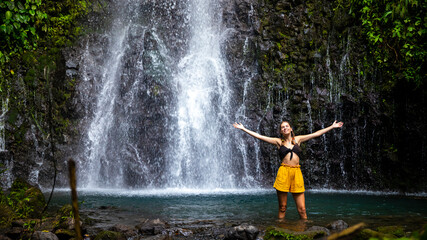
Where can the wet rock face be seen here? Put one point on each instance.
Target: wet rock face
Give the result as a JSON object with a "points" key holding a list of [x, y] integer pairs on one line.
{"points": [[300, 61], [310, 67]]}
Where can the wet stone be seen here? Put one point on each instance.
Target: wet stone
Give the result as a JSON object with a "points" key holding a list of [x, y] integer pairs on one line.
{"points": [[127, 231], [338, 225], [319, 229], [151, 227], [40, 235], [244, 231]]}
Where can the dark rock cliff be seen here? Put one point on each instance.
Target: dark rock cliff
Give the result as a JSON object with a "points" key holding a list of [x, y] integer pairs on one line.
{"points": [[314, 67], [301, 61]]}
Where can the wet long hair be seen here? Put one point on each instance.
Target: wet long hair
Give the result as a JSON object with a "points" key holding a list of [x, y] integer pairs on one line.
{"points": [[292, 132]]}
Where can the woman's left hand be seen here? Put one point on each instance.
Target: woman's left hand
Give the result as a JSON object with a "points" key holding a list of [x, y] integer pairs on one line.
{"points": [[337, 124]]}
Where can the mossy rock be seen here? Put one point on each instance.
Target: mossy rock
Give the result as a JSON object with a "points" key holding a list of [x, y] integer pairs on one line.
{"points": [[397, 231], [36, 201], [64, 234], [47, 224], [65, 210], [6, 216], [109, 235], [281, 233], [20, 184], [29, 200], [369, 233]]}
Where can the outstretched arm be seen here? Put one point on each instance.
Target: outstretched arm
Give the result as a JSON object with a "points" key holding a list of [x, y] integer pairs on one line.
{"points": [[275, 141], [316, 134]]}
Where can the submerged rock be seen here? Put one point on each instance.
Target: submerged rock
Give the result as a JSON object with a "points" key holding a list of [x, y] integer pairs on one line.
{"points": [[338, 225], [244, 231]]}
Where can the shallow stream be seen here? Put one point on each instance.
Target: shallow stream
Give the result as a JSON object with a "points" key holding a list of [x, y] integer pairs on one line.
{"points": [[258, 207]]}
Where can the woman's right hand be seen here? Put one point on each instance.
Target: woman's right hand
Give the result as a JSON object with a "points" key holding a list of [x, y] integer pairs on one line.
{"points": [[238, 126]]}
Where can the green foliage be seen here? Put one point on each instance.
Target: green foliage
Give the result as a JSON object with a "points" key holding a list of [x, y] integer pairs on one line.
{"points": [[396, 31], [61, 26], [23, 202], [32, 34], [6, 213], [29, 225], [17, 200], [273, 233], [20, 20]]}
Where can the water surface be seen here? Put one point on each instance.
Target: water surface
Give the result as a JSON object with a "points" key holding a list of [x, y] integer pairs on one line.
{"points": [[253, 206]]}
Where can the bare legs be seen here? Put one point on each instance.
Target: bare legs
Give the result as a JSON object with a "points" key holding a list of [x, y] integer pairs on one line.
{"points": [[299, 201], [283, 199]]}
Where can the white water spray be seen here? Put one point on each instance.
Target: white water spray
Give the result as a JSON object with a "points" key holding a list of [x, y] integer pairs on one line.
{"points": [[200, 153]]}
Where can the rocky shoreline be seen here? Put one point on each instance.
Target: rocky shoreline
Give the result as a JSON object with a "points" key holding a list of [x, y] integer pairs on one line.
{"points": [[61, 226], [22, 217]]}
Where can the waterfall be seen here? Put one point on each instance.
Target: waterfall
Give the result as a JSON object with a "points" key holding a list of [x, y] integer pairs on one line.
{"points": [[102, 90], [157, 101], [200, 151]]}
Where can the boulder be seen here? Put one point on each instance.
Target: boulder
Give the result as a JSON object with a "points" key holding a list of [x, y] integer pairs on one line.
{"points": [[127, 231], [151, 227], [41, 235], [319, 229], [29, 200], [338, 225], [65, 234], [244, 232], [15, 232]]}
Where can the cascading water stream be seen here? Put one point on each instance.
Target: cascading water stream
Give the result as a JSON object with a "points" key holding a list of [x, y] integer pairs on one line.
{"points": [[200, 148], [149, 75], [100, 165], [104, 116]]}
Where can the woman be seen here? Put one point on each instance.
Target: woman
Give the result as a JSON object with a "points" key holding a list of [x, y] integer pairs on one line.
{"points": [[289, 176]]}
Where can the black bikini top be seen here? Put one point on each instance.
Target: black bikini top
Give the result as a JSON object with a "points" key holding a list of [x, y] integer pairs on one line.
{"points": [[283, 151]]}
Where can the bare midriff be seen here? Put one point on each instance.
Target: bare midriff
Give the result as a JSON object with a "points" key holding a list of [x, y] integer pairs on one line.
{"points": [[294, 162]]}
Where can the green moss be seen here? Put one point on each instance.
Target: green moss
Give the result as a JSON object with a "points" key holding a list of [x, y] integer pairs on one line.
{"points": [[6, 215], [397, 231], [369, 234], [285, 234], [26, 200], [65, 234]]}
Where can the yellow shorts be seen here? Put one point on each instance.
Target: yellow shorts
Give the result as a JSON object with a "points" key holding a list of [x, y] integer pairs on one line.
{"points": [[289, 179]]}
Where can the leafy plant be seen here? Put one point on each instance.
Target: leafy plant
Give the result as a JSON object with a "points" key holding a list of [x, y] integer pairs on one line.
{"points": [[396, 31], [18, 27], [32, 32], [29, 225]]}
